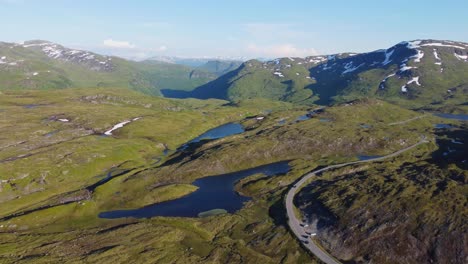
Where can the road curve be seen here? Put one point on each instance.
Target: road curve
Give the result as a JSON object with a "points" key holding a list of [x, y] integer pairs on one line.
{"points": [[297, 227]]}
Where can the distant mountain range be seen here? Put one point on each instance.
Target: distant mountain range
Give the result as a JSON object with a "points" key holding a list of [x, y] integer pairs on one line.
{"points": [[195, 62], [42, 64], [416, 73]]}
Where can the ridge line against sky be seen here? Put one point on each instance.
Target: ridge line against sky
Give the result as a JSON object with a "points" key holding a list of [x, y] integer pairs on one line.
{"points": [[247, 29]]}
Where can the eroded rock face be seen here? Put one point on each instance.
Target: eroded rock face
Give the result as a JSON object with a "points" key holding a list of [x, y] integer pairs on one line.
{"points": [[413, 214]]}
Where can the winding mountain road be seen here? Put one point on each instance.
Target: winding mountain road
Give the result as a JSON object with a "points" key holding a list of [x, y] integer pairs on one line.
{"points": [[305, 233]]}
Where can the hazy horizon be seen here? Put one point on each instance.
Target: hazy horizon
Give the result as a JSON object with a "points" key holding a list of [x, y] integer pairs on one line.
{"points": [[259, 29]]}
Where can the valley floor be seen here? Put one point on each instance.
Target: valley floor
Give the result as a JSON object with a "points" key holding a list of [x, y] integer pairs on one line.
{"points": [[60, 170]]}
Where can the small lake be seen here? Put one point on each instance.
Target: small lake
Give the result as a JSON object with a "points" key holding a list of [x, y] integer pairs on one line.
{"points": [[214, 192], [443, 126], [452, 116], [222, 131], [304, 117], [363, 157]]}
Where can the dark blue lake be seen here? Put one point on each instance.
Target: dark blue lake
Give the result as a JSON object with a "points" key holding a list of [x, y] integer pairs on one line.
{"points": [[452, 116], [363, 157], [215, 192], [443, 126], [220, 132], [304, 117]]}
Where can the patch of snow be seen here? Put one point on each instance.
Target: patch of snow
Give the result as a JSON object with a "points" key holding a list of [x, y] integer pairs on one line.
{"points": [[418, 56], [58, 52], [35, 45], [413, 44], [461, 57], [414, 80], [119, 125], [279, 74], [317, 59], [457, 142], [3, 58], [442, 45], [404, 89], [291, 59], [438, 63], [436, 55], [73, 52], [350, 68], [405, 68], [35, 74], [386, 78], [382, 83], [308, 77], [297, 73], [388, 54], [63, 120]]}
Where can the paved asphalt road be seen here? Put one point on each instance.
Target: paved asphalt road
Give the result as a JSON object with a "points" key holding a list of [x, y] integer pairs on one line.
{"points": [[297, 227]]}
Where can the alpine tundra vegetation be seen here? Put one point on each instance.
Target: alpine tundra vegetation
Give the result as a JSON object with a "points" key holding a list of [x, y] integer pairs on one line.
{"points": [[207, 132]]}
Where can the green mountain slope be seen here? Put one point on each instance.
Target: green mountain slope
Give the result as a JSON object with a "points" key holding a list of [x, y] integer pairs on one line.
{"points": [[220, 67], [45, 65], [416, 74]]}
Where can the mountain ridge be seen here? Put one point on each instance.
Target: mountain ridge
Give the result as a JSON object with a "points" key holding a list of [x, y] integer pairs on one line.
{"points": [[398, 74], [40, 64]]}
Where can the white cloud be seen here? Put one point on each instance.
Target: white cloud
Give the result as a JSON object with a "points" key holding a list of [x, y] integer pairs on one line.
{"points": [[281, 50], [162, 48], [118, 44]]}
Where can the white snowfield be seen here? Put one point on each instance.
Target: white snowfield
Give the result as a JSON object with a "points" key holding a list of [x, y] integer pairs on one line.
{"points": [[120, 125], [461, 57], [350, 68], [56, 51], [405, 68], [414, 80], [387, 57], [279, 74], [436, 55], [442, 45], [404, 88], [418, 56]]}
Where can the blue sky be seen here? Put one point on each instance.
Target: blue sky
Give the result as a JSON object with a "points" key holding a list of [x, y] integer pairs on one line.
{"points": [[253, 28]]}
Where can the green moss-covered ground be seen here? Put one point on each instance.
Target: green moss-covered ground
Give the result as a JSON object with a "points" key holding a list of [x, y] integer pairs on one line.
{"points": [[49, 168]]}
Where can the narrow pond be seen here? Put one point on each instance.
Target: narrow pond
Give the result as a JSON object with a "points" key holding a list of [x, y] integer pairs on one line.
{"points": [[460, 117], [220, 132], [364, 157], [214, 192]]}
